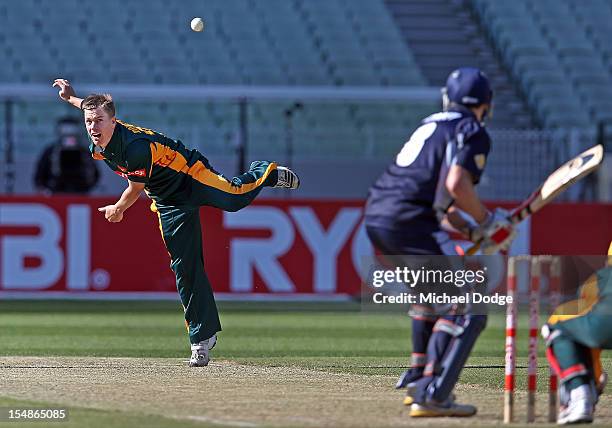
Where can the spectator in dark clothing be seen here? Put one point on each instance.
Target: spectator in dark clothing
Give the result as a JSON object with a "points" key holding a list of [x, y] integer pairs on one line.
{"points": [[66, 165]]}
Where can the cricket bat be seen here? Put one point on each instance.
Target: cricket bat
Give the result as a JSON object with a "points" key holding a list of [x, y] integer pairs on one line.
{"points": [[566, 175]]}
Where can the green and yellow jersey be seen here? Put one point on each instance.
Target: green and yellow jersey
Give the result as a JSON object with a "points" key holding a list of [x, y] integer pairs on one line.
{"points": [[164, 165], [587, 319]]}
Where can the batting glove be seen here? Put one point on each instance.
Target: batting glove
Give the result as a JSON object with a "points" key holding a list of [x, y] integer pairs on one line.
{"points": [[496, 233]]}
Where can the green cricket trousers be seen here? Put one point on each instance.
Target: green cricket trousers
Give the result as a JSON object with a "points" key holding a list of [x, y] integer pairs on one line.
{"points": [[182, 234]]}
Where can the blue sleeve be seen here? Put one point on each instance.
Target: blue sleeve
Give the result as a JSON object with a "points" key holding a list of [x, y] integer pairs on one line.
{"points": [[473, 151]]}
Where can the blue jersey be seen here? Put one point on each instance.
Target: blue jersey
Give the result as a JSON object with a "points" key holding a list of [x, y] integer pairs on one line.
{"points": [[411, 195]]}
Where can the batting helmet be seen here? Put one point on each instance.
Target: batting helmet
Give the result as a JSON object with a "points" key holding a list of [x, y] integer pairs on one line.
{"points": [[467, 86]]}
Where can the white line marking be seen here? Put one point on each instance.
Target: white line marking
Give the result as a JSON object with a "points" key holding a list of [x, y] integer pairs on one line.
{"points": [[220, 422]]}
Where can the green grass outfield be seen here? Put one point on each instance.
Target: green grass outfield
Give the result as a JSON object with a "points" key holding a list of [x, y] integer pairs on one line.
{"points": [[324, 337]]}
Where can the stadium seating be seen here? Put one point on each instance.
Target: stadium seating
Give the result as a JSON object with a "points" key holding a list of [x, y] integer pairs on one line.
{"points": [[559, 52], [276, 42]]}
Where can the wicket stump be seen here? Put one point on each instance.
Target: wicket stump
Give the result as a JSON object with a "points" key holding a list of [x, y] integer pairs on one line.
{"points": [[536, 273]]}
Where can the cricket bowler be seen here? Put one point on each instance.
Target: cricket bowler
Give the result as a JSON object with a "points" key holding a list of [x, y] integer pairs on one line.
{"points": [[423, 193], [575, 335], [179, 181]]}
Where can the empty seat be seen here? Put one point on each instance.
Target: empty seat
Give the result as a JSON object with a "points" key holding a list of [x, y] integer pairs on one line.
{"points": [[271, 42], [553, 49]]}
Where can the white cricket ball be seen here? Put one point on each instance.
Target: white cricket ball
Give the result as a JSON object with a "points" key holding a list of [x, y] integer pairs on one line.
{"points": [[197, 24]]}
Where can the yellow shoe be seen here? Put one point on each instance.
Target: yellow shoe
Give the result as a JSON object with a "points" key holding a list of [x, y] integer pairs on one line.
{"points": [[433, 410], [410, 391]]}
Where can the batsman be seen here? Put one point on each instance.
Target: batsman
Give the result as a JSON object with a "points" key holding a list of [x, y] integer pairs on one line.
{"points": [[179, 181], [575, 335], [425, 191]]}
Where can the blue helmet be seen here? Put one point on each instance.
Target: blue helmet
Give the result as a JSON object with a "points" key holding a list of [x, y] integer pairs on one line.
{"points": [[467, 86]]}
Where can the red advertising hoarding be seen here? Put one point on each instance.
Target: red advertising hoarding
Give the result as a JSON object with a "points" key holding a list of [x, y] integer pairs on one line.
{"points": [[63, 247]]}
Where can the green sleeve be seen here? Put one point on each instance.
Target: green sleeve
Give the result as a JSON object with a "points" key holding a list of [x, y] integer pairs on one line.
{"points": [[138, 158]]}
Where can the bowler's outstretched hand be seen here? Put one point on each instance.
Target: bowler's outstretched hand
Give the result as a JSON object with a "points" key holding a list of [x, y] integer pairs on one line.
{"points": [[112, 213]]}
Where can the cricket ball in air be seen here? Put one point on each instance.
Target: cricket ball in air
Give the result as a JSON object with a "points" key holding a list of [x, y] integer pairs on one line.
{"points": [[197, 24]]}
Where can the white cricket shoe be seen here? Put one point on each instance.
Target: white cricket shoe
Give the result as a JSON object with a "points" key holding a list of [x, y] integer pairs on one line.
{"points": [[200, 352], [286, 178], [580, 408]]}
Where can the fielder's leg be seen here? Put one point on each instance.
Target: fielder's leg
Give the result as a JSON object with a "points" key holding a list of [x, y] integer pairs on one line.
{"points": [[575, 335], [573, 365]]}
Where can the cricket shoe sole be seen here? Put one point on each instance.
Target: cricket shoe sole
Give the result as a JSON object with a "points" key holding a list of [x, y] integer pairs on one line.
{"points": [[411, 391], [287, 179], [431, 410]]}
